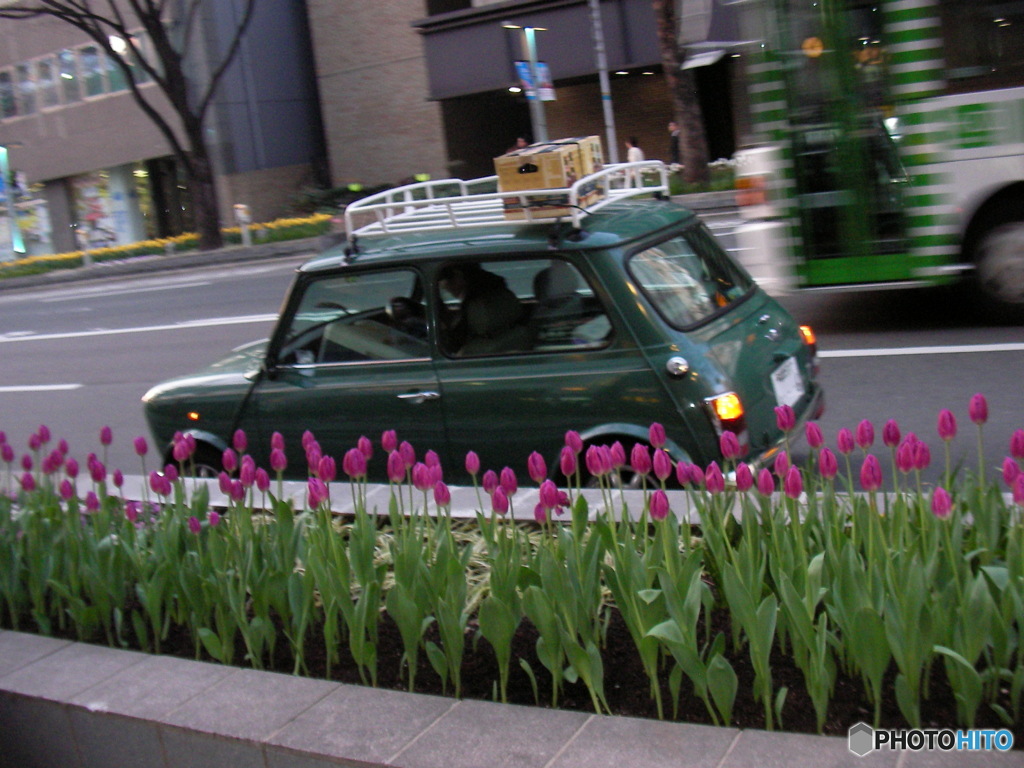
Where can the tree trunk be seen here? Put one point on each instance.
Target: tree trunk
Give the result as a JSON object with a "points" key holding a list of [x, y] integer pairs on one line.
{"points": [[682, 84], [204, 198]]}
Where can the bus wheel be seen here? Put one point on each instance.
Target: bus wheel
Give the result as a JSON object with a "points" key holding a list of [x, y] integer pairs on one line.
{"points": [[999, 270]]}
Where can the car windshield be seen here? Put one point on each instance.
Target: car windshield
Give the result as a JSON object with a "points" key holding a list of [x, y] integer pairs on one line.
{"points": [[689, 278]]}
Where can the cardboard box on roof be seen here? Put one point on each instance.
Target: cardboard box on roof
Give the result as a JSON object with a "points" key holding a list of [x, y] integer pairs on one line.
{"points": [[553, 165]]}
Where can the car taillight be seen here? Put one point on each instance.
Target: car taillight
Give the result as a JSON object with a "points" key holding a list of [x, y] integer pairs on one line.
{"points": [[728, 416], [751, 190], [812, 344]]}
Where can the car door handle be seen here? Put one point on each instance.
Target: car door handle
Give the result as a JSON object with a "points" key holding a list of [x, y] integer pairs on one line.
{"points": [[420, 397]]}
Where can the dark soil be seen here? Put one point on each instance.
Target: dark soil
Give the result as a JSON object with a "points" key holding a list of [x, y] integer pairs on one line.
{"points": [[626, 685]]}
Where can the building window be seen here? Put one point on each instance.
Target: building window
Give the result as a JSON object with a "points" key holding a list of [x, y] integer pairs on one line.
{"points": [[49, 96], [69, 76], [8, 104], [26, 89], [91, 64]]}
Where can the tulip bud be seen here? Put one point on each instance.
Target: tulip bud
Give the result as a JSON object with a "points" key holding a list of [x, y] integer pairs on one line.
{"points": [[549, 494], [194, 525], [978, 409], [844, 441], [659, 506], [106, 436], [536, 468], [947, 425], [785, 418], [472, 463], [239, 441], [567, 461], [765, 483], [354, 463], [229, 460], [657, 435], [507, 480], [793, 485], [865, 434], [490, 481], [744, 477], [891, 433], [618, 455], [729, 444], [713, 479], [442, 496], [407, 452], [828, 466], [396, 467], [389, 440], [1017, 444], [574, 441], [942, 504], [499, 501], [141, 447], [278, 461], [815, 439], [871, 473], [640, 459]]}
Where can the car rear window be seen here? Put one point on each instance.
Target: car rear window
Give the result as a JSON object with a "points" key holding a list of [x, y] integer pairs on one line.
{"points": [[689, 278]]}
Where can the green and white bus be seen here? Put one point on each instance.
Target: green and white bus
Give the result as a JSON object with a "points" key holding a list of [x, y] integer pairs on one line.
{"points": [[888, 145]]}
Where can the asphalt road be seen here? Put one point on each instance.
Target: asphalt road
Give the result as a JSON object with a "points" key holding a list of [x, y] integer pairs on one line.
{"points": [[79, 356]]}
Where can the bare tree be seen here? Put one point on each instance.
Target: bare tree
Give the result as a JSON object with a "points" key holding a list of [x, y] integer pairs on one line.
{"points": [[693, 143], [172, 27]]}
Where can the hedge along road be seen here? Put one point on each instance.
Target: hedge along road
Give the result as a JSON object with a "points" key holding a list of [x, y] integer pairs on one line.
{"points": [[79, 357]]}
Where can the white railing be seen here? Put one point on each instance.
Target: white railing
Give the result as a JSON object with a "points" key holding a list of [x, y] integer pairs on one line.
{"points": [[452, 203]]}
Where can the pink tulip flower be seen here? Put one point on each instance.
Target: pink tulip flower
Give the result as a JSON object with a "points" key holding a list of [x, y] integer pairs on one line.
{"points": [[549, 494], [472, 463], [7, 453], [640, 459], [442, 495], [595, 466], [781, 465], [765, 483], [922, 455], [365, 447], [793, 485], [44, 434], [262, 480], [844, 441], [277, 442], [118, 478], [812, 432], [729, 445], [574, 441], [28, 482], [224, 483], [490, 481], [307, 438], [682, 472], [194, 525], [891, 433], [785, 418], [744, 477], [327, 469], [942, 504], [508, 482], [947, 424], [567, 461], [499, 501], [659, 506], [239, 441], [354, 463], [71, 468], [1018, 490], [905, 457], [618, 455], [1011, 469], [657, 435], [421, 476], [229, 460], [662, 465], [247, 471], [978, 409], [396, 467], [828, 466], [1017, 444], [131, 511], [214, 518], [536, 468], [407, 452], [141, 446], [713, 479], [865, 436], [389, 440], [106, 436], [278, 460], [540, 514], [316, 491], [871, 473], [67, 490]]}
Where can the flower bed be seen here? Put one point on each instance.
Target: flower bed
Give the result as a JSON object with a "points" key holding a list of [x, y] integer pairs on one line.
{"points": [[273, 231], [799, 593]]}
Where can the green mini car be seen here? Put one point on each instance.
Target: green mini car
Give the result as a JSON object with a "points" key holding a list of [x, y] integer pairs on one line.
{"points": [[463, 330]]}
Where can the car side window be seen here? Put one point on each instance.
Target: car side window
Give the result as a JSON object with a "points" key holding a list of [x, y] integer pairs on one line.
{"points": [[528, 305], [364, 316], [688, 278]]}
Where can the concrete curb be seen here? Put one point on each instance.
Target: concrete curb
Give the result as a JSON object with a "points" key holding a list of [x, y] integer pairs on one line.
{"points": [[84, 706]]}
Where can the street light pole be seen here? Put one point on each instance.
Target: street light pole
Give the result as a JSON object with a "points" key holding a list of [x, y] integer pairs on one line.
{"points": [[528, 43], [7, 190], [602, 73]]}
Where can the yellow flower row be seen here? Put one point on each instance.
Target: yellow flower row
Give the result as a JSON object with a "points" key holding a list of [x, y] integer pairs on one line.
{"points": [[188, 238]]}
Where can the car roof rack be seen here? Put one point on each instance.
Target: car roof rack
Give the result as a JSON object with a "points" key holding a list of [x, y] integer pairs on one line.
{"points": [[454, 203]]}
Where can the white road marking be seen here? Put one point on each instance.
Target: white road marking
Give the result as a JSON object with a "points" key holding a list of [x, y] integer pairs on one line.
{"points": [[40, 388], [122, 291], [182, 326], [898, 351]]}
